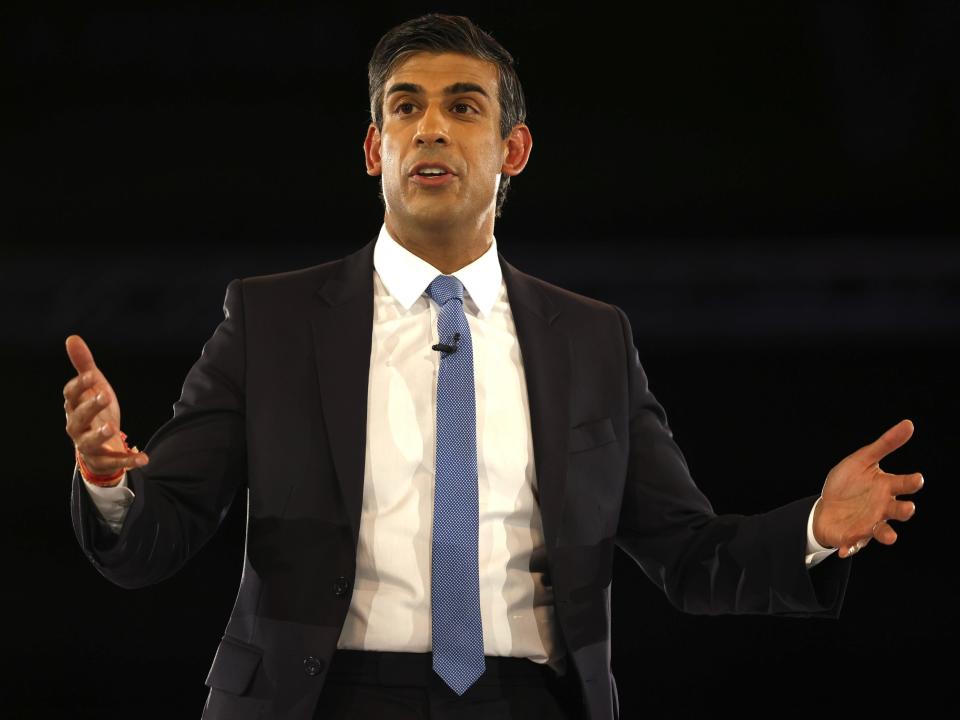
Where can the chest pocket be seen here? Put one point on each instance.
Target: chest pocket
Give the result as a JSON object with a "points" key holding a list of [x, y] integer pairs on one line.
{"points": [[591, 434]]}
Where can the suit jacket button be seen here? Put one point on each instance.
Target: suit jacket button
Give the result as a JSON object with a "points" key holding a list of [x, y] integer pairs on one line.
{"points": [[312, 666], [341, 586]]}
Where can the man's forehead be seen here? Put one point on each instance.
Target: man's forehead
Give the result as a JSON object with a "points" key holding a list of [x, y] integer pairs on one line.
{"points": [[440, 69]]}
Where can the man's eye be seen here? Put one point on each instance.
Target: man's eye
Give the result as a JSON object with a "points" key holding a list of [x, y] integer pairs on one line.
{"points": [[399, 109]]}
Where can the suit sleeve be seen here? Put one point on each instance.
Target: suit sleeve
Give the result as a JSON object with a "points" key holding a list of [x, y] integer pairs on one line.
{"points": [[197, 464], [111, 502], [707, 563]]}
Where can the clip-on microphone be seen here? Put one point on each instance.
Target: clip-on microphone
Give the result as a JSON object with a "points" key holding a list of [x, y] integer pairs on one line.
{"points": [[448, 349]]}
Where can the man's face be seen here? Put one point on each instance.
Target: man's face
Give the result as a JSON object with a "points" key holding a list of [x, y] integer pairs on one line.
{"points": [[439, 109]]}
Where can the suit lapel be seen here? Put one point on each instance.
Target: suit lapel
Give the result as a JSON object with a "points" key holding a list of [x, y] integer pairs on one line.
{"points": [[545, 350], [342, 320]]}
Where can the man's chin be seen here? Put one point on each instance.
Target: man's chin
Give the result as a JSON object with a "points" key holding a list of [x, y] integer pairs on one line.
{"points": [[433, 216]]}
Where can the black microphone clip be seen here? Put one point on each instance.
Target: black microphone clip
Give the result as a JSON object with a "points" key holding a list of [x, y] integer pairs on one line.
{"points": [[448, 349]]}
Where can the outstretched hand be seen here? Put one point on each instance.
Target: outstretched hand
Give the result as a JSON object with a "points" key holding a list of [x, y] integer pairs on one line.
{"points": [[858, 497], [93, 415]]}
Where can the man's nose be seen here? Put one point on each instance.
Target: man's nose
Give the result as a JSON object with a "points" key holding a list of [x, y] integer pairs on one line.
{"points": [[432, 127]]}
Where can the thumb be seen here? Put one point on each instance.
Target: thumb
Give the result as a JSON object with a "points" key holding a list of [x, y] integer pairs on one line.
{"points": [[80, 355], [888, 442]]}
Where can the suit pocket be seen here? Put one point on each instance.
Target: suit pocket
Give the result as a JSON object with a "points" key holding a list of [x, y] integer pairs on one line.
{"points": [[591, 434], [233, 666]]}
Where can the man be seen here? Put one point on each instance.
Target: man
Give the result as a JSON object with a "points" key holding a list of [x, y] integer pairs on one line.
{"points": [[431, 533]]}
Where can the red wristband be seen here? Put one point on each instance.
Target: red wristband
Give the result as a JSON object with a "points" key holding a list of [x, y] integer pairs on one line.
{"points": [[101, 480]]}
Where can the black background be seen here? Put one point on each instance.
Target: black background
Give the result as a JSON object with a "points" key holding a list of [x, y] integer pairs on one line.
{"points": [[768, 190]]}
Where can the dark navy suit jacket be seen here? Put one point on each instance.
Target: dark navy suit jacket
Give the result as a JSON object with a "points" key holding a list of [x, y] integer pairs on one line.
{"points": [[277, 407]]}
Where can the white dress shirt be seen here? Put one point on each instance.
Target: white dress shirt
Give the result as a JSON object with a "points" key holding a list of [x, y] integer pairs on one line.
{"points": [[390, 606]]}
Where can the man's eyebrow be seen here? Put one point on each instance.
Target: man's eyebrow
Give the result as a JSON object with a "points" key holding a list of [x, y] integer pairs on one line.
{"points": [[455, 89]]}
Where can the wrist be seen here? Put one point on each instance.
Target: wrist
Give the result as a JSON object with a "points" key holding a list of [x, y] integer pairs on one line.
{"points": [[813, 526], [101, 480]]}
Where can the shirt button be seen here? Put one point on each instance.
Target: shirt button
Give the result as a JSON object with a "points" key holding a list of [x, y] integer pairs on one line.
{"points": [[341, 586], [312, 666]]}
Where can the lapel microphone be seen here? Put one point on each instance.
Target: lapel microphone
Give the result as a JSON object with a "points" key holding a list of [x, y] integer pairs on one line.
{"points": [[449, 349]]}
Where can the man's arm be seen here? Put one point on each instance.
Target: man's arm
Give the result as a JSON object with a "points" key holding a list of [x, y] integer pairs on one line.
{"points": [[112, 503], [816, 553], [707, 563], [197, 463]]}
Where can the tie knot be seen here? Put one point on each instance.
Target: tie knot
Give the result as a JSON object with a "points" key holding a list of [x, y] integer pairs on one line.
{"points": [[445, 287]]}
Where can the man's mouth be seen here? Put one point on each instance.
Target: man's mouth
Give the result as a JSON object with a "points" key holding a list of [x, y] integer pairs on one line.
{"points": [[428, 178]]}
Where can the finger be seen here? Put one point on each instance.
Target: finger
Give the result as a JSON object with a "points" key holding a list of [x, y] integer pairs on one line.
{"points": [[92, 442], [73, 391], [88, 386], [900, 509], [89, 374], [80, 354], [80, 418], [884, 533], [109, 465], [887, 443], [905, 484], [848, 551], [103, 460]]}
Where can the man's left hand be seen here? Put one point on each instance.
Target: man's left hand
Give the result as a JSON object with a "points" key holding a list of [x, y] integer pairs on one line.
{"points": [[858, 497]]}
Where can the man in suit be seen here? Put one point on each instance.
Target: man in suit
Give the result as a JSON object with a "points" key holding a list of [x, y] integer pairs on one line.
{"points": [[432, 532]]}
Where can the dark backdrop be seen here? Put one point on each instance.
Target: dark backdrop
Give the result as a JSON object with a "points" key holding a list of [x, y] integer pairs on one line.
{"points": [[768, 191]]}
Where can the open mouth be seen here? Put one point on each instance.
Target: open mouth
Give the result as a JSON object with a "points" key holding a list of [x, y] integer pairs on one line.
{"points": [[430, 179]]}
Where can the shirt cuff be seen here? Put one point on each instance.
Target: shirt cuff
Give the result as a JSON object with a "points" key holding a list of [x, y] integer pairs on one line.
{"points": [[816, 552], [113, 503]]}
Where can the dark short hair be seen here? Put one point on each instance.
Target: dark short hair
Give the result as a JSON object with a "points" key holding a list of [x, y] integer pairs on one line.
{"points": [[438, 33]]}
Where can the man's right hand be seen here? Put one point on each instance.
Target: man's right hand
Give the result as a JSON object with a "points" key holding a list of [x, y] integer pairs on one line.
{"points": [[93, 416]]}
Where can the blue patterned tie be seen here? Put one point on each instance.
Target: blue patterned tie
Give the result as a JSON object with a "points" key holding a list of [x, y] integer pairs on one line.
{"points": [[455, 583]]}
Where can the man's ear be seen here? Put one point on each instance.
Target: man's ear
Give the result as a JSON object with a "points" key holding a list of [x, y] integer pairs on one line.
{"points": [[517, 148], [371, 150]]}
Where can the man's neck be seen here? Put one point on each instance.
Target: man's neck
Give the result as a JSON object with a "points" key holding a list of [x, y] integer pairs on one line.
{"points": [[446, 250]]}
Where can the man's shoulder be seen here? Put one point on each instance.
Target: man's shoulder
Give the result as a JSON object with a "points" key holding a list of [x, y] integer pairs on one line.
{"points": [[311, 276], [561, 298], [300, 281]]}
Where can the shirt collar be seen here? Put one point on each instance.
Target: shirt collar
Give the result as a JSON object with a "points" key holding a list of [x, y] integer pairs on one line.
{"points": [[407, 276]]}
